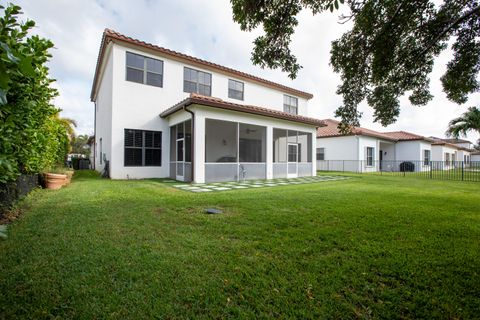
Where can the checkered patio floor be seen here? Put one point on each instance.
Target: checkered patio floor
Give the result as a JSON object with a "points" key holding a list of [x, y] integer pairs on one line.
{"points": [[251, 184]]}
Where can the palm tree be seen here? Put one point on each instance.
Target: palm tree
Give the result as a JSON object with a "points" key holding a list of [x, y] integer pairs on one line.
{"points": [[69, 125], [468, 121]]}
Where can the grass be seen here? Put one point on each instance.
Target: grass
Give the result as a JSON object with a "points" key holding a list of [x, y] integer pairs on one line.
{"points": [[367, 247]]}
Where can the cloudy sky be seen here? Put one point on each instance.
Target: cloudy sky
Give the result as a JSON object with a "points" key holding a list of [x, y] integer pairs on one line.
{"points": [[205, 29]]}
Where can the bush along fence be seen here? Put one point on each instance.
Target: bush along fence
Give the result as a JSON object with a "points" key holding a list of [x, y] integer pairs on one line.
{"points": [[440, 170], [10, 192]]}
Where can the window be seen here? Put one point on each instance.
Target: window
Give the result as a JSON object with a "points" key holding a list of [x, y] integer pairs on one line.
{"points": [[447, 158], [143, 148], [370, 155], [235, 89], [101, 151], [320, 153], [290, 104], [197, 82], [426, 157], [144, 70]]}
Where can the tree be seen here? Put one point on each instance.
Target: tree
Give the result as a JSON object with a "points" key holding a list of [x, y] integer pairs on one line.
{"points": [[468, 121], [389, 51], [79, 145], [32, 137]]}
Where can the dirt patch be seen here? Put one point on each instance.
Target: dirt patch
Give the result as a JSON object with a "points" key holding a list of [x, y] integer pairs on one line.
{"points": [[158, 210], [10, 215]]}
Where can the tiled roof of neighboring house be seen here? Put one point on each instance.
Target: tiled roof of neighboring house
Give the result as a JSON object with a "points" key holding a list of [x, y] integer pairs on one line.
{"points": [[219, 103], [455, 141], [406, 136], [110, 35], [476, 153], [331, 130], [441, 142]]}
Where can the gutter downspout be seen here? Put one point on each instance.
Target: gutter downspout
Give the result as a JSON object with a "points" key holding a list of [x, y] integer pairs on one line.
{"points": [[192, 144], [94, 136]]}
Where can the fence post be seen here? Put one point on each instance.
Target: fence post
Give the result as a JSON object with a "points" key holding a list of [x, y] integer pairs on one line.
{"points": [[431, 167], [463, 170], [343, 168]]}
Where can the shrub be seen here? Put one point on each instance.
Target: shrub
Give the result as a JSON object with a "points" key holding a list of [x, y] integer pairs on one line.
{"points": [[32, 136]]}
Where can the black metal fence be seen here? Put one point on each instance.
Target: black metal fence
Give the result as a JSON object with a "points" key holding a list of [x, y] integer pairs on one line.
{"points": [[440, 170]]}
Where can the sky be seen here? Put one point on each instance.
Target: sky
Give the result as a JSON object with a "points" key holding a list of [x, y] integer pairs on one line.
{"points": [[205, 29]]}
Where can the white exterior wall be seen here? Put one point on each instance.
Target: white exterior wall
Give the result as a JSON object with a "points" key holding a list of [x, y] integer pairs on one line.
{"points": [[475, 157], [365, 142], [103, 114], [137, 106], [438, 152], [339, 148]]}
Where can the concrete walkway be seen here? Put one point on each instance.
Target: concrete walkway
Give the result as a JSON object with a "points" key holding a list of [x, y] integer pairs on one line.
{"points": [[252, 184]]}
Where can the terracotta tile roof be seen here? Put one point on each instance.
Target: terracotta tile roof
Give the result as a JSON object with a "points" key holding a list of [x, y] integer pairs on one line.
{"points": [[331, 130], [406, 136], [455, 141], [219, 103], [110, 35]]}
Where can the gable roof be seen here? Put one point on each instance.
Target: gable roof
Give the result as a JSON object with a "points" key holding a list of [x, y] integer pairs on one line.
{"points": [[219, 103], [452, 141], [331, 130], [406, 136], [113, 36]]}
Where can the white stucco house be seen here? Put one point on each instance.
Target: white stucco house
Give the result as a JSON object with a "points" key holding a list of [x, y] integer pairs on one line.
{"points": [[161, 113], [367, 150], [475, 156], [451, 151]]}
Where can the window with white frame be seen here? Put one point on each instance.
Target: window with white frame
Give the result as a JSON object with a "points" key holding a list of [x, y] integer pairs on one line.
{"points": [[144, 70], [447, 158], [320, 153], [197, 81], [142, 148], [370, 156], [290, 104], [426, 157], [235, 89]]}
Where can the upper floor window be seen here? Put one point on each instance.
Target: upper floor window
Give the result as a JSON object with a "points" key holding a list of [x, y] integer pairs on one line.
{"points": [[235, 89], [142, 148], [290, 104], [144, 70], [197, 82]]}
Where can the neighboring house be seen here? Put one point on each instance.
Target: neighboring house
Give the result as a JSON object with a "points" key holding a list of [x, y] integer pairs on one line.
{"points": [[450, 153], [368, 150], [475, 156], [160, 113]]}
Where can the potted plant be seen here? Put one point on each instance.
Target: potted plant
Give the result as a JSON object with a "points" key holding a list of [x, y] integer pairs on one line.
{"points": [[56, 177]]}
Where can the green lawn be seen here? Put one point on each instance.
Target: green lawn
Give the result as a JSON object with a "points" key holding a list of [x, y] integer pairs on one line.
{"points": [[367, 247]]}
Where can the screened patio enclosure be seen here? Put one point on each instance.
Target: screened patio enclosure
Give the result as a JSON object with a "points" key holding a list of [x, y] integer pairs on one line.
{"points": [[292, 153], [234, 151], [181, 151], [237, 151]]}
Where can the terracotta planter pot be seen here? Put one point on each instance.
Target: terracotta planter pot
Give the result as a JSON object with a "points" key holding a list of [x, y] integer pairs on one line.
{"points": [[55, 181]]}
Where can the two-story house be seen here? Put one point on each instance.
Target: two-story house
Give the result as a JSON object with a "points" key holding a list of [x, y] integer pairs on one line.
{"points": [[161, 113]]}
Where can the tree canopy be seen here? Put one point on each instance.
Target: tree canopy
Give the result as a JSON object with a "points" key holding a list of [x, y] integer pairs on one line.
{"points": [[468, 121], [389, 52], [32, 135]]}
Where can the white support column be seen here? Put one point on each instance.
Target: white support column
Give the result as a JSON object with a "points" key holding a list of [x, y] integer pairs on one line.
{"points": [[269, 158], [199, 149], [314, 153]]}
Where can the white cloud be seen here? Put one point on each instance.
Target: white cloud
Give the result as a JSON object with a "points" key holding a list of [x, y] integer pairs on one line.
{"points": [[205, 29]]}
